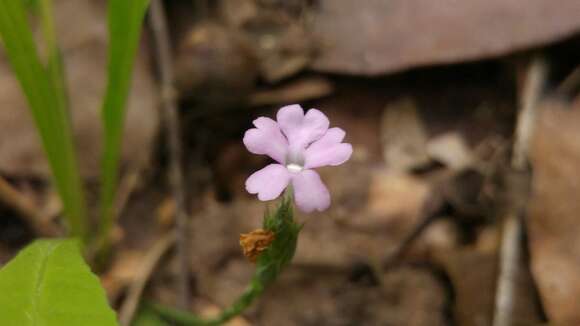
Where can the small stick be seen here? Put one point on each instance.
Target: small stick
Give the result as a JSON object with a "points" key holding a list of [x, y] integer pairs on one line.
{"points": [[510, 258], [150, 261], [40, 224], [294, 92], [532, 88], [126, 188], [511, 246], [430, 211], [170, 117]]}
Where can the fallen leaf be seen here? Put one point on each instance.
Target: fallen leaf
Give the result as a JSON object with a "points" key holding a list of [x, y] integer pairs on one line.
{"points": [[473, 277], [451, 150], [553, 226], [121, 273], [403, 135], [407, 296], [277, 34], [211, 60], [395, 200], [377, 37]]}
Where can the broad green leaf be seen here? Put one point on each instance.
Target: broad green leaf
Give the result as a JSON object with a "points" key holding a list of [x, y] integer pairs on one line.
{"points": [[49, 112], [125, 19], [49, 284]]}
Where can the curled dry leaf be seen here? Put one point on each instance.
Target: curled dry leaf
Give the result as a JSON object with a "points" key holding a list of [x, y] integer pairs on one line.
{"points": [[255, 242]]}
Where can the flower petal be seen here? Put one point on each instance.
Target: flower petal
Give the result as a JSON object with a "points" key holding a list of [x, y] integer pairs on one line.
{"points": [[309, 192], [328, 150], [268, 182], [266, 139], [301, 129], [289, 118]]}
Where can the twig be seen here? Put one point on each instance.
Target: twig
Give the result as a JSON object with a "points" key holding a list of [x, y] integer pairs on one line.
{"points": [[532, 88], [136, 288], [39, 223], [170, 117], [430, 211], [509, 270], [511, 245], [302, 90], [306, 89], [126, 188]]}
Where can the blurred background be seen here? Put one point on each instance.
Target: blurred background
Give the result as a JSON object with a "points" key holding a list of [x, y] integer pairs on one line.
{"points": [[459, 205]]}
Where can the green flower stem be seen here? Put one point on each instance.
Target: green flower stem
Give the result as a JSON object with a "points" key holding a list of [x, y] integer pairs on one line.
{"points": [[184, 318], [268, 267]]}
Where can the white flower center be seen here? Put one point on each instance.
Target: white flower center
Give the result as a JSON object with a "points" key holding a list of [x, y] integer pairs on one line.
{"points": [[295, 168], [295, 160]]}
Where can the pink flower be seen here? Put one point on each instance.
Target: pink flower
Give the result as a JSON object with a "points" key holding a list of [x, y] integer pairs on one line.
{"points": [[299, 143]]}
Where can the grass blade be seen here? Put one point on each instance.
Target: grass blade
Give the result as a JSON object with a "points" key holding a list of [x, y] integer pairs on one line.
{"points": [[55, 67], [125, 20], [48, 111]]}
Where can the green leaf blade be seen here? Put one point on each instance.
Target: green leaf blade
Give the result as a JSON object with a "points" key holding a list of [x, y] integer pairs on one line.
{"points": [[125, 21], [49, 112], [49, 284]]}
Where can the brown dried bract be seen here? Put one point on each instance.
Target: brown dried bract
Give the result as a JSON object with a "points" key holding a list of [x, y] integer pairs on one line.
{"points": [[255, 242]]}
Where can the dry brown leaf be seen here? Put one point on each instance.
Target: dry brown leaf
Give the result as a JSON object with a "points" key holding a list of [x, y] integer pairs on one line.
{"points": [[406, 296], [121, 273], [451, 150], [553, 224], [166, 212], [255, 242], [403, 135], [211, 60], [278, 36], [376, 37], [396, 200], [473, 276]]}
